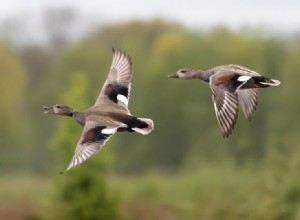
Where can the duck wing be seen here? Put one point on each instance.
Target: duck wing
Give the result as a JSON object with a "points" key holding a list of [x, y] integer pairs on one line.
{"points": [[116, 89], [248, 98], [226, 107], [94, 136], [234, 77], [241, 70]]}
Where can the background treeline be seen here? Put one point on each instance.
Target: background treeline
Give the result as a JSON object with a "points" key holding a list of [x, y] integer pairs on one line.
{"points": [[186, 126], [261, 157]]}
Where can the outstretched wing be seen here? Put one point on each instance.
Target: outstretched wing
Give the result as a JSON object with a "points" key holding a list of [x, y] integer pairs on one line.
{"points": [[226, 108], [248, 99], [92, 139], [116, 88]]}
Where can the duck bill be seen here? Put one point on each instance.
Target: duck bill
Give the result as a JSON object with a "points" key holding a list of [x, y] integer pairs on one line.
{"points": [[173, 75], [48, 109]]}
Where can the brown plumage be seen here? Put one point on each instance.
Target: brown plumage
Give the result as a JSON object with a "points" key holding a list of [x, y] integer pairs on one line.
{"points": [[231, 85], [110, 113]]}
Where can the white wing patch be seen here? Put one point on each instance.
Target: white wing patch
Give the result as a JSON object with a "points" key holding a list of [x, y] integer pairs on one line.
{"points": [[122, 99], [243, 78], [109, 131]]}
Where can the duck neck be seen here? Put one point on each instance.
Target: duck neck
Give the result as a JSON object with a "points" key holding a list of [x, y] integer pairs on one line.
{"points": [[79, 117], [203, 75]]}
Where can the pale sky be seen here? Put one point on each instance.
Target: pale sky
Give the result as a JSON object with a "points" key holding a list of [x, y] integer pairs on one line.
{"points": [[276, 13], [282, 16]]}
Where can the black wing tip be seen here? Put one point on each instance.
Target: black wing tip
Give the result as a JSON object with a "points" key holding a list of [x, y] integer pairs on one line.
{"points": [[249, 118], [117, 50], [114, 50], [226, 135]]}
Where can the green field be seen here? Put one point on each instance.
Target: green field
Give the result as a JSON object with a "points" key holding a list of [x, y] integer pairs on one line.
{"points": [[207, 192]]}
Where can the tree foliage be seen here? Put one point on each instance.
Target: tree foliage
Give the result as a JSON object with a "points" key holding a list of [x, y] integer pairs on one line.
{"points": [[14, 130]]}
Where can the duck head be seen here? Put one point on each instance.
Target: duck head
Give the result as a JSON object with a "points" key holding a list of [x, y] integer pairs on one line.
{"points": [[184, 74], [58, 110]]}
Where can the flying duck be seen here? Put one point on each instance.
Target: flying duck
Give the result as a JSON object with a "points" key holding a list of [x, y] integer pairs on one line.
{"points": [[110, 113], [231, 85]]}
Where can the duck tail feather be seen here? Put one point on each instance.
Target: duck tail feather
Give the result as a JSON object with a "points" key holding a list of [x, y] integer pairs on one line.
{"points": [[272, 82], [265, 82], [145, 129]]}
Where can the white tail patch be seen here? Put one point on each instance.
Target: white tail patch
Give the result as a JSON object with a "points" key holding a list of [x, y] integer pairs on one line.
{"points": [[274, 82], [243, 78], [147, 130], [122, 99], [109, 131]]}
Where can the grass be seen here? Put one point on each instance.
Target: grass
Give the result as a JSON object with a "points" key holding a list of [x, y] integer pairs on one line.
{"points": [[22, 187], [20, 196], [208, 192], [204, 193], [213, 192]]}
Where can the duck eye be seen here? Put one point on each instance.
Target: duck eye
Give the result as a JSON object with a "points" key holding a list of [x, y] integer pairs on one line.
{"points": [[183, 71], [58, 106]]}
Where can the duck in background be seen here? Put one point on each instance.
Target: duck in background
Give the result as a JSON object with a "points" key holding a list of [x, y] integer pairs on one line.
{"points": [[231, 85]]}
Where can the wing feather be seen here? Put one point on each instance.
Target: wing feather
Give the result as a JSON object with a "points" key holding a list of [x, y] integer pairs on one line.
{"points": [[226, 109], [248, 99], [118, 80], [93, 138]]}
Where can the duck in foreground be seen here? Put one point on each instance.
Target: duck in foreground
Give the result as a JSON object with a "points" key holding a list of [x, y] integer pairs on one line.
{"points": [[231, 85], [110, 113]]}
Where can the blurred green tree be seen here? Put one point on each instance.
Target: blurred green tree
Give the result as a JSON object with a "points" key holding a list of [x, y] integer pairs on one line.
{"points": [[185, 126], [14, 121]]}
